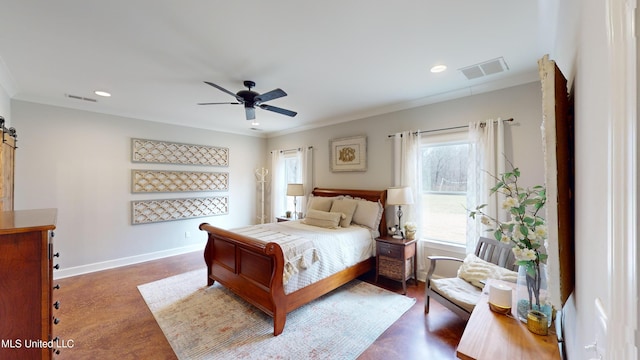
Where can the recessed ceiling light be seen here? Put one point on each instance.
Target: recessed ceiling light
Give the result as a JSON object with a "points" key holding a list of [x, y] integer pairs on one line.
{"points": [[102, 93], [438, 68]]}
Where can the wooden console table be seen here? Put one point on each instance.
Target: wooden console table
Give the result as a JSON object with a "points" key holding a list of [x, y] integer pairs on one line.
{"points": [[493, 336]]}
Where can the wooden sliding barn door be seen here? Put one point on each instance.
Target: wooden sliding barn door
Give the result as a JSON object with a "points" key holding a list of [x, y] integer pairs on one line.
{"points": [[7, 165]]}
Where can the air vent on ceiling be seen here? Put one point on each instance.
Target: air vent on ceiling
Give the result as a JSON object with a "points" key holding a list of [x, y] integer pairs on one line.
{"points": [[80, 98], [490, 67]]}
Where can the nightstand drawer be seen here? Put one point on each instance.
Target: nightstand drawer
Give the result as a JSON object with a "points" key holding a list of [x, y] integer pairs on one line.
{"points": [[391, 251]]}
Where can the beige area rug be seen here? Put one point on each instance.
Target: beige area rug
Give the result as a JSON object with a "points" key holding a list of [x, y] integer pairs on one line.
{"points": [[203, 322]]}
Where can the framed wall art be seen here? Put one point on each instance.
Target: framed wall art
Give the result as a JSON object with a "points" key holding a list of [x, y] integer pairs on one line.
{"points": [[348, 154], [166, 152], [145, 181], [150, 211]]}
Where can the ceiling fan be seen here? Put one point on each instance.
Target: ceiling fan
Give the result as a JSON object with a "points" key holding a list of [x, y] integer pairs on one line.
{"points": [[250, 99]]}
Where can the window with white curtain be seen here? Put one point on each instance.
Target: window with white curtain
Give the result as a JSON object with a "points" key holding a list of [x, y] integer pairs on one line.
{"points": [[289, 167], [444, 164], [292, 174]]}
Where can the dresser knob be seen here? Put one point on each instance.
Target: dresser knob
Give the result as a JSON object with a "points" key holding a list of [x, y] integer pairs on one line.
{"points": [[57, 286], [56, 320], [56, 254], [56, 266], [56, 305]]}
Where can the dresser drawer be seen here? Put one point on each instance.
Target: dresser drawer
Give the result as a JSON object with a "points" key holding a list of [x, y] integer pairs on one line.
{"points": [[390, 251]]}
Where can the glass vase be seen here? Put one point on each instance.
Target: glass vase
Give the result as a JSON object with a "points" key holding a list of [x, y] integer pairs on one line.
{"points": [[531, 293]]}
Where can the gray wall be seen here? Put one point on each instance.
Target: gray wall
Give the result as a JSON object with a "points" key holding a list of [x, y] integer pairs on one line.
{"points": [[522, 137], [5, 106], [80, 163], [523, 140]]}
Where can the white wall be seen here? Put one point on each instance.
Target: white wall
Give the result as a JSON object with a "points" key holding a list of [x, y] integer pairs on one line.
{"points": [[80, 163], [582, 54]]}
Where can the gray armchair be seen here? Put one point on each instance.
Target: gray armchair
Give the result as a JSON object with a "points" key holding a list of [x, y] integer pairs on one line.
{"points": [[457, 294]]}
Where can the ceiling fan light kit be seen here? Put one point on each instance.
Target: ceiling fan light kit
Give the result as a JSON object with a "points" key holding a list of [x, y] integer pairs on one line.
{"points": [[250, 99]]}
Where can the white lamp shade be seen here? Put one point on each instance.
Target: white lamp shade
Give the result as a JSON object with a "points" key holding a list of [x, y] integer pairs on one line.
{"points": [[295, 190], [399, 196]]}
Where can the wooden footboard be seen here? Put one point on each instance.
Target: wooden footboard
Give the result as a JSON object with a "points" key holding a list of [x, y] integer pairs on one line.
{"points": [[254, 270], [251, 269]]}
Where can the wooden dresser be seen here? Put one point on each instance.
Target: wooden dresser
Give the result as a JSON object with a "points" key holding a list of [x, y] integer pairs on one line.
{"points": [[27, 312]]}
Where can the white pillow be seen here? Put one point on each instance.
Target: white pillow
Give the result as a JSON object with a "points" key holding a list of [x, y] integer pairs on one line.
{"points": [[368, 213], [323, 219], [347, 207], [321, 203], [474, 270]]}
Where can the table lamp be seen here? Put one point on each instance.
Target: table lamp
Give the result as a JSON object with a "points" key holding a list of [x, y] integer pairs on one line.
{"points": [[295, 190], [399, 196]]}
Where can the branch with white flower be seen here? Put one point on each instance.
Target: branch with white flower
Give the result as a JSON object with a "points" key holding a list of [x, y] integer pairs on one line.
{"points": [[525, 230]]}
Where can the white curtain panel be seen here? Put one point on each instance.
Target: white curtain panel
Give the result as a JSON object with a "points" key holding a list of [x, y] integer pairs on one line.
{"points": [[305, 160], [407, 172], [486, 162], [278, 184]]}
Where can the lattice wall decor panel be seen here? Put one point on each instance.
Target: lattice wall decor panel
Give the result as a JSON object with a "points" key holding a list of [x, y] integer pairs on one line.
{"points": [[150, 211], [153, 151], [145, 181]]}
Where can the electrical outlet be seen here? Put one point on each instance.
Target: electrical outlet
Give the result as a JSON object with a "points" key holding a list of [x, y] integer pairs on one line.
{"points": [[599, 346]]}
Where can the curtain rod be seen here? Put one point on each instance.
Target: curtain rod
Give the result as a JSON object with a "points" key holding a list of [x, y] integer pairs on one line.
{"points": [[449, 128], [296, 149]]}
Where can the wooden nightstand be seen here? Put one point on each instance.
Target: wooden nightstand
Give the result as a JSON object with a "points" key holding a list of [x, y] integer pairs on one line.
{"points": [[396, 259]]}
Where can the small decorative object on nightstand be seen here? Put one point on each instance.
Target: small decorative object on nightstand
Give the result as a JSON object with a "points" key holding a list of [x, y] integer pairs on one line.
{"points": [[396, 259]]}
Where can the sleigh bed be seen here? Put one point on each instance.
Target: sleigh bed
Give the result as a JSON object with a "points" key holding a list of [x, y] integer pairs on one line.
{"points": [[271, 275]]}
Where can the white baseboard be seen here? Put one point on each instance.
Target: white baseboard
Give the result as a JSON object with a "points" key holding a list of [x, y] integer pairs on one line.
{"points": [[105, 265]]}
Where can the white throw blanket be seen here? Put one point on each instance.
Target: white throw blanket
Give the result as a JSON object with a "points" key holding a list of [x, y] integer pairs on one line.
{"points": [[299, 252]]}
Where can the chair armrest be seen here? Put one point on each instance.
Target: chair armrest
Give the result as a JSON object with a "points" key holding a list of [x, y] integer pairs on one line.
{"points": [[434, 259]]}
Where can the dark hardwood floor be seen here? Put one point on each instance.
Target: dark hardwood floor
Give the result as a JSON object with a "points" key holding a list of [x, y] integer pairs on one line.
{"points": [[103, 316]]}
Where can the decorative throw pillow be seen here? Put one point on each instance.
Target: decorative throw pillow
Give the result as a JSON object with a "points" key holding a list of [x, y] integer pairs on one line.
{"points": [[475, 270], [323, 219], [320, 203], [347, 207], [368, 213]]}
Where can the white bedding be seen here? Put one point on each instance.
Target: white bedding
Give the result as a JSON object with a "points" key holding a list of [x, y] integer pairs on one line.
{"points": [[313, 253]]}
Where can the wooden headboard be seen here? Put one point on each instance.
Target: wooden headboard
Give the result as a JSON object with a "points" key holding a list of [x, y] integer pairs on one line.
{"points": [[370, 195]]}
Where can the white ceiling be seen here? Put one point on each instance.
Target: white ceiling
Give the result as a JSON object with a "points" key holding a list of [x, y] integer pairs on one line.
{"points": [[337, 60]]}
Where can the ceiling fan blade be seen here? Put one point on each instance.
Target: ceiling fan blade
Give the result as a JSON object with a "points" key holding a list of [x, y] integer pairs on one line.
{"points": [[241, 100], [220, 103], [279, 110], [251, 112], [273, 94]]}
